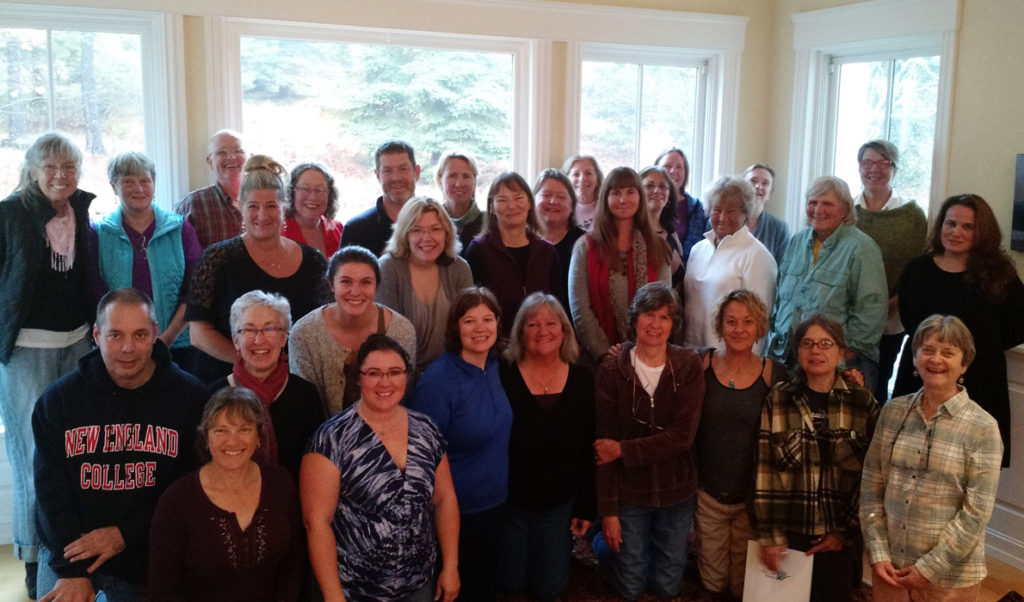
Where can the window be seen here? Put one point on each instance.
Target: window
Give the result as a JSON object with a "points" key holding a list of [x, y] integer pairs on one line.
{"points": [[98, 76], [630, 112], [635, 102], [872, 70], [335, 102], [332, 94], [894, 99]]}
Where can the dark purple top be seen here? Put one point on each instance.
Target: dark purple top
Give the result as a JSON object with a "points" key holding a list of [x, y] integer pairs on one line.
{"points": [[198, 552]]}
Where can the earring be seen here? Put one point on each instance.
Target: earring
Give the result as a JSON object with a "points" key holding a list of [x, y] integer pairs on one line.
{"points": [[259, 444], [960, 380], [916, 374]]}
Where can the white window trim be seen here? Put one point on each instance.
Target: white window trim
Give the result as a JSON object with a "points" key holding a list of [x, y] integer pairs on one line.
{"points": [[530, 71], [718, 106], [163, 77], [884, 27]]}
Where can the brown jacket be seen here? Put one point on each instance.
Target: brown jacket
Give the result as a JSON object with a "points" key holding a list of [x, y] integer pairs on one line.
{"points": [[657, 468]]}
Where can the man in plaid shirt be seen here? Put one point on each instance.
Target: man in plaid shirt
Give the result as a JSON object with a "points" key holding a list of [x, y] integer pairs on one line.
{"points": [[214, 211]]}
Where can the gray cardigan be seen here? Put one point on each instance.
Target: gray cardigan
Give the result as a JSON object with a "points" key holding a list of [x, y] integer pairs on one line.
{"points": [[314, 355], [395, 289]]}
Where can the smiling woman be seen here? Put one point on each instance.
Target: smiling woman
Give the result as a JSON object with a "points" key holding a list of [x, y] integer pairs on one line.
{"points": [[510, 258], [420, 273], [323, 343], [312, 202], [259, 259]]}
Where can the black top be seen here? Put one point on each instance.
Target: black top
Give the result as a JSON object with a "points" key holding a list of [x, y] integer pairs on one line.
{"points": [[925, 289], [551, 456], [564, 250], [295, 414], [227, 271], [370, 229], [727, 435], [65, 302]]}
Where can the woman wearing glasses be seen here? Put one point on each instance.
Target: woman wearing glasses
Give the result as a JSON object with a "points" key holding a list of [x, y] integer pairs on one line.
{"points": [[377, 494], [930, 477], [309, 212], [259, 324], [815, 430], [461, 392], [324, 343], [44, 327], [898, 226], [647, 405]]}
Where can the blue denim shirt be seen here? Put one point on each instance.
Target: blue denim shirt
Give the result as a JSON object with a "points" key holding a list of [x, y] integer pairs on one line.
{"points": [[847, 285]]}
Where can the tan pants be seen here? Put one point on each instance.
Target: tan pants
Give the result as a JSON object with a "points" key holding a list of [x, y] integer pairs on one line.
{"points": [[722, 534], [883, 592]]}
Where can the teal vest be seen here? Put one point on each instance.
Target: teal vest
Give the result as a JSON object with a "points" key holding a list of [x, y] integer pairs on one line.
{"points": [[166, 262]]}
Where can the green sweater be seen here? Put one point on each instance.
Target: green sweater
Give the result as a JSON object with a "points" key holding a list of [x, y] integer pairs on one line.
{"points": [[900, 233]]}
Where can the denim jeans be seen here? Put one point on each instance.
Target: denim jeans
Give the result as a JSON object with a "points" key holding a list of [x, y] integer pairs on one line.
{"points": [[653, 551], [869, 368], [114, 589], [22, 381], [537, 551]]}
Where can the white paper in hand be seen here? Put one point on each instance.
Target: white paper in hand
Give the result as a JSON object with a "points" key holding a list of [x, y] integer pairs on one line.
{"points": [[791, 584]]}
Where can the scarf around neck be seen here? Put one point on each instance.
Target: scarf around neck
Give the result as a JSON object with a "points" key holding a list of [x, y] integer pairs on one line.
{"points": [[605, 306], [268, 391]]}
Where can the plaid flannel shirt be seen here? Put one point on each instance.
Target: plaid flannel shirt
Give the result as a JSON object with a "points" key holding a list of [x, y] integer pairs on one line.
{"points": [[929, 487], [211, 213], [793, 492]]}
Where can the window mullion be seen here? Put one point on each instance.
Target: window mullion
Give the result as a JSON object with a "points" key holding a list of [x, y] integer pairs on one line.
{"points": [[50, 102], [889, 99], [639, 116]]}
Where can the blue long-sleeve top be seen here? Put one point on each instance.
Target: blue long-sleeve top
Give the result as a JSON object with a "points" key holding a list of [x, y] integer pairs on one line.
{"points": [[470, 408]]}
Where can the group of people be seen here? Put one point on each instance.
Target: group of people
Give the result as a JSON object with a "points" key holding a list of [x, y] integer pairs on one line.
{"points": [[431, 400]]}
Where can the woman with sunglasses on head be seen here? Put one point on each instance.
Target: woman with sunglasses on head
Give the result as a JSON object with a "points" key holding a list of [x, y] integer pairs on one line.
{"points": [[815, 430], [647, 405], [930, 478]]}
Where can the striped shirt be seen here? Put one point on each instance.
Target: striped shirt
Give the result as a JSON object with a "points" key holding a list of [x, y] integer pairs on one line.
{"points": [[929, 487], [809, 483], [212, 214]]}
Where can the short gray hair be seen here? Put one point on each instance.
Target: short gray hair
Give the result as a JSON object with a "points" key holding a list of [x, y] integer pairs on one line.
{"points": [[947, 329], [729, 187], [131, 163], [260, 299], [885, 148], [838, 187]]}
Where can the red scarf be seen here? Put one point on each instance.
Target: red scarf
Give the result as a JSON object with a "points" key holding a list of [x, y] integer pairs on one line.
{"points": [[598, 282], [267, 390]]}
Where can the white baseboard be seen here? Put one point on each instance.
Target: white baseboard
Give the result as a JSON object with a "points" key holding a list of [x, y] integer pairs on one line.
{"points": [[1002, 536]]}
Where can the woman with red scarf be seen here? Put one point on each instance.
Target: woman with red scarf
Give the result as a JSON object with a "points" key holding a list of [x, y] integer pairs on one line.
{"points": [[260, 322], [621, 254]]}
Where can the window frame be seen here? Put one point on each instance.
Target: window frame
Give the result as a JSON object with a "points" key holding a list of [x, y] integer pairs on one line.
{"points": [[876, 30], [224, 78], [161, 44], [717, 103]]}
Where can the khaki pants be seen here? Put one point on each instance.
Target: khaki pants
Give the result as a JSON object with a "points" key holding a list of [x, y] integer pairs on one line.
{"points": [[883, 592], [722, 534]]}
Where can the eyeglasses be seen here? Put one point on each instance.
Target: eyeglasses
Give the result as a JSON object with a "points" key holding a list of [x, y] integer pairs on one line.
{"points": [[433, 231], [230, 152], [319, 191], [881, 164], [250, 333], [68, 169], [823, 344], [391, 374]]}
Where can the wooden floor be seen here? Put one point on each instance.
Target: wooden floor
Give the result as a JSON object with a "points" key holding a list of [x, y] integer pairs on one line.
{"points": [[1001, 579]]}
